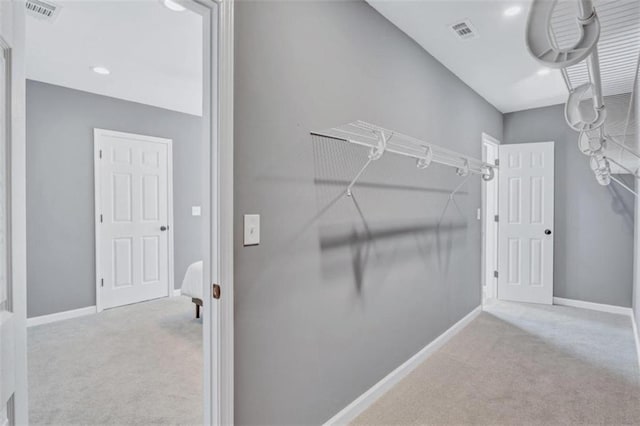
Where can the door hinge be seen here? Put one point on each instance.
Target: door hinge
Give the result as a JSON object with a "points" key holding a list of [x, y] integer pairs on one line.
{"points": [[497, 162], [101, 282], [215, 291], [101, 218], [495, 274], [100, 153], [496, 218]]}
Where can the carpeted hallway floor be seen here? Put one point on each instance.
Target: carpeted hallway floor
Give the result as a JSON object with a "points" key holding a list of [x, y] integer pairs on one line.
{"points": [[523, 364], [139, 364], [515, 364]]}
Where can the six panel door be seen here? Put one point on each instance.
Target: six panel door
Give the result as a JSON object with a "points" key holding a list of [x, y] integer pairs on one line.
{"points": [[133, 252], [525, 225]]}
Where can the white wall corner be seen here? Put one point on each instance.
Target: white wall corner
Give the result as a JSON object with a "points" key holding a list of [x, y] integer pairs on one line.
{"points": [[636, 337]]}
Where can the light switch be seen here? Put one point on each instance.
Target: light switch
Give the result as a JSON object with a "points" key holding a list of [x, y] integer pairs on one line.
{"points": [[251, 229], [196, 211]]}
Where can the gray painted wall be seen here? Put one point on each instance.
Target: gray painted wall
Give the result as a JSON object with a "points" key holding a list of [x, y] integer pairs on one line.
{"points": [[593, 245], [342, 291], [60, 192]]}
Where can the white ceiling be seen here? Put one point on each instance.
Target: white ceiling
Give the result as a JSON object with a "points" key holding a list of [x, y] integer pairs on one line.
{"points": [[497, 64], [154, 54]]}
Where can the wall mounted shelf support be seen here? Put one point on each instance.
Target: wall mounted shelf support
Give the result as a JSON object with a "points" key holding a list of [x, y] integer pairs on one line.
{"points": [[381, 141]]}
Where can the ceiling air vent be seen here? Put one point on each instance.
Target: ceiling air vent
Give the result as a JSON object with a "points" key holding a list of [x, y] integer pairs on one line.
{"points": [[464, 30], [44, 10]]}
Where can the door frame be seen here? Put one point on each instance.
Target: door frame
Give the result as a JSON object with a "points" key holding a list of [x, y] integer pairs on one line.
{"points": [[488, 283], [98, 134], [12, 28], [8, 318], [219, 337], [219, 313]]}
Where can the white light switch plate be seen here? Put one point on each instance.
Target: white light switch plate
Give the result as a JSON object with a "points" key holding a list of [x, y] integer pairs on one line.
{"points": [[251, 229], [196, 211]]}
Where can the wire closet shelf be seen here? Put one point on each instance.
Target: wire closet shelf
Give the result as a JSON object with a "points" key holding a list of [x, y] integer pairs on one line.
{"points": [[566, 36], [380, 140]]}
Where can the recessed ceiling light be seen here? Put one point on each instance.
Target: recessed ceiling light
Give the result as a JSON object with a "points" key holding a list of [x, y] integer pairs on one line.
{"points": [[512, 11], [173, 5], [101, 70], [544, 71]]}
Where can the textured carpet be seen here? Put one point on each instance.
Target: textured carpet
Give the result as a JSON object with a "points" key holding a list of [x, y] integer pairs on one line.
{"points": [[139, 364], [523, 364]]}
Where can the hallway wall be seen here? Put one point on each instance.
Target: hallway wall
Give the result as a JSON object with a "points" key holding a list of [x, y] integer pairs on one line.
{"points": [[341, 291]]}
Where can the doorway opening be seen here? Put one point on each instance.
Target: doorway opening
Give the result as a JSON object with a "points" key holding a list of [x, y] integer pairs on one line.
{"points": [[120, 118]]}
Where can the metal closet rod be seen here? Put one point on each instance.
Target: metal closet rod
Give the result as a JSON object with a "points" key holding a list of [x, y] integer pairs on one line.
{"points": [[586, 13], [380, 140], [587, 10], [593, 60]]}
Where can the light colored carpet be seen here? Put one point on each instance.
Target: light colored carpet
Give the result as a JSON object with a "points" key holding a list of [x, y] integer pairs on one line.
{"points": [[523, 364], [139, 364]]}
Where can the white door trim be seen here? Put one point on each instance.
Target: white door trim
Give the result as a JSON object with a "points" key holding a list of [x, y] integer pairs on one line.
{"points": [[219, 342], [12, 29], [98, 134], [218, 314], [488, 282], [222, 182]]}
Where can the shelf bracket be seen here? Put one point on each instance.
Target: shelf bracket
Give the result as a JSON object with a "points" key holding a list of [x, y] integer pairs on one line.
{"points": [[424, 162], [374, 154]]}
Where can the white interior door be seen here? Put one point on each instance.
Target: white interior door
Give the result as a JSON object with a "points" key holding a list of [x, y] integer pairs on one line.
{"points": [[133, 218], [525, 226]]}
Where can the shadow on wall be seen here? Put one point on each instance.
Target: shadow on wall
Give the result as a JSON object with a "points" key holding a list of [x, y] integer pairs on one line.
{"points": [[391, 218], [621, 203]]}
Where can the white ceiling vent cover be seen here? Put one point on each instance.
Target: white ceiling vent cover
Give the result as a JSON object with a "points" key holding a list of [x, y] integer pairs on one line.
{"points": [[464, 30], [45, 10]]}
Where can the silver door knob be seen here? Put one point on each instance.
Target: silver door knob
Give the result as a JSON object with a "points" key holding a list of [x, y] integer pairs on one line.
{"points": [[547, 232], [164, 228]]}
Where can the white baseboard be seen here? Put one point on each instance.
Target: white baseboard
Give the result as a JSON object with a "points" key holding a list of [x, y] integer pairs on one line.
{"points": [[621, 310], [176, 292], [364, 401], [635, 336], [45, 319]]}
